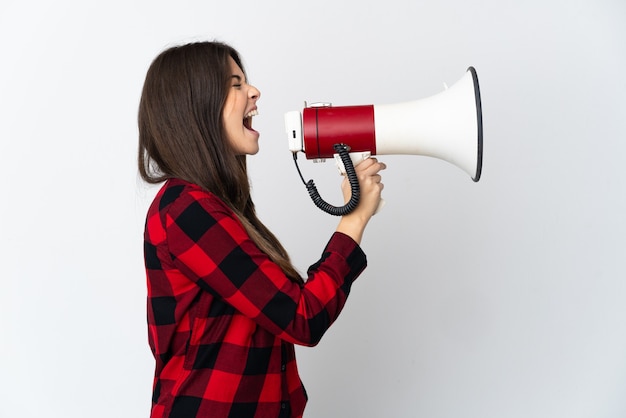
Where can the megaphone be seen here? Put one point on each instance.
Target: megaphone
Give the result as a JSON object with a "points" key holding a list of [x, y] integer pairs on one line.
{"points": [[447, 126]]}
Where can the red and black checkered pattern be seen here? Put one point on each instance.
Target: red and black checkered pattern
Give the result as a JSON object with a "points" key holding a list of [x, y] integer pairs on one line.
{"points": [[223, 319]]}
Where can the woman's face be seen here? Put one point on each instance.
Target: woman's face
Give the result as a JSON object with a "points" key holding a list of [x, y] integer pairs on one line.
{"points": [[239, 109]]}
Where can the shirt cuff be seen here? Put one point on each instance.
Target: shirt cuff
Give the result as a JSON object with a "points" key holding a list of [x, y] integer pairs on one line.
{"points": [[345, 246]]}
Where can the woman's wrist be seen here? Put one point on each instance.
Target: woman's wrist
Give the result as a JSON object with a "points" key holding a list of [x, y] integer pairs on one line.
{"points": [[353, 227]]}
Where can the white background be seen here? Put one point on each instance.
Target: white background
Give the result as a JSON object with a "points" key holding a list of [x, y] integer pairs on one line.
{"points": [[498, 299]]}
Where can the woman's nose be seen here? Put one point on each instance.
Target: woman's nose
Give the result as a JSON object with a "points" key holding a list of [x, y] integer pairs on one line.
{"points": [[254, 93]]}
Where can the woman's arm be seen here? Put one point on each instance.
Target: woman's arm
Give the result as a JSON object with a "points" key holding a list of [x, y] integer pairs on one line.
{"points": [[210, 247]]}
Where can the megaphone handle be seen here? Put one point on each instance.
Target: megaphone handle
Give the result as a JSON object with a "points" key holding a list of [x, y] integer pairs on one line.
{"points": [[357, 158]]}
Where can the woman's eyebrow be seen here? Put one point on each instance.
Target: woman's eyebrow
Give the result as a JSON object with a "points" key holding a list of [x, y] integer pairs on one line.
{"points": [[237, 77]]}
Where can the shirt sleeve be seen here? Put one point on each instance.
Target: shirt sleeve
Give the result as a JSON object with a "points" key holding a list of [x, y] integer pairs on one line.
{"points": [[211, 248]]}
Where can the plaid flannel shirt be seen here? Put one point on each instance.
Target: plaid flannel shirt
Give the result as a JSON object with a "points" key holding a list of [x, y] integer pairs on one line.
{"points": [[223, 319]]}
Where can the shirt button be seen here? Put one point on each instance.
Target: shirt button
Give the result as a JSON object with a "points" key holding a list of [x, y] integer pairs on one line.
{"points": [[283, 405], [283, 368]]}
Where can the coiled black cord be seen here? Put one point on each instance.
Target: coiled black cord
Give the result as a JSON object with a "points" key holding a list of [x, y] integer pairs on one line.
{"points": [[343, 152]]}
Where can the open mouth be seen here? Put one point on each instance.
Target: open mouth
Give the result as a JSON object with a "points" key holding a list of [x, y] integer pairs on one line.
{"points": [[247, 121]]}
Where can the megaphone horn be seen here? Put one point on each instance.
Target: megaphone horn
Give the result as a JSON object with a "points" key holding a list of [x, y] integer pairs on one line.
{"points": [[447, 126]]}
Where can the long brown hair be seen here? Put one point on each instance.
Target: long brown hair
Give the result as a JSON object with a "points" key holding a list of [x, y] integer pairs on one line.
{"points": [[182, 135]]}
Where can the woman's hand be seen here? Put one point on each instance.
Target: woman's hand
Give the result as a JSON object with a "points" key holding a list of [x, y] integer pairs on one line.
{"points": [[353, 224]]}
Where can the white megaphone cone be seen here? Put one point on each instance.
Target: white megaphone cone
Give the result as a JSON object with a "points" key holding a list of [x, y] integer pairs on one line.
{"points": [[447, 126]]}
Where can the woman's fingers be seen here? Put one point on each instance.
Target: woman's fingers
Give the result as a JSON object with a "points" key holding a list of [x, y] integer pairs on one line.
{"points": [[370, 167]]}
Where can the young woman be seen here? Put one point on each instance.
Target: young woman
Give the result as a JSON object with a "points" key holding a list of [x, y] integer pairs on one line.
{"points": [[225, 304]]}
